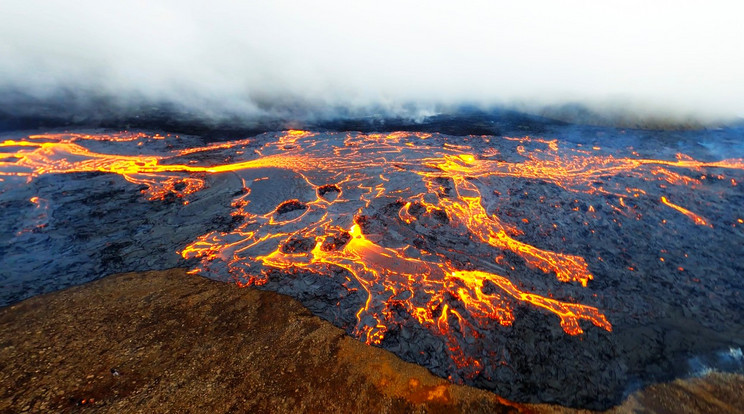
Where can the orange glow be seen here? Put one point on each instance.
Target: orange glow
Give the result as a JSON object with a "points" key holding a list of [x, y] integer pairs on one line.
{"points": [[694, 217], [445, 185]]}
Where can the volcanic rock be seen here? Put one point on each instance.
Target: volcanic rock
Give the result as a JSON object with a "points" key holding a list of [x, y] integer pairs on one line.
{"points": [[290, 205], [165, 341]]}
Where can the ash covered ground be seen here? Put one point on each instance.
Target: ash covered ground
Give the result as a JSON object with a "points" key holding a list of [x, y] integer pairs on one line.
{"points": [[569, 265]]}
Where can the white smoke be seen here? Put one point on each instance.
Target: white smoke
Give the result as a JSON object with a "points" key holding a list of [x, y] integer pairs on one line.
{"points": [[249, 58]]}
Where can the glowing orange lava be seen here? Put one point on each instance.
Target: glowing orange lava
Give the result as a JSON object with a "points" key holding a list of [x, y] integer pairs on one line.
{"points": [[694, 217], [443, 187]]}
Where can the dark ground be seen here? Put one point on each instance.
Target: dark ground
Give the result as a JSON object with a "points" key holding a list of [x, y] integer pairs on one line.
{"points": [[165, 341], [159, 336]]}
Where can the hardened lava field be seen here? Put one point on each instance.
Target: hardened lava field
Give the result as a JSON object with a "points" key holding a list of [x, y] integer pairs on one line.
{"points": [[537, 268]]}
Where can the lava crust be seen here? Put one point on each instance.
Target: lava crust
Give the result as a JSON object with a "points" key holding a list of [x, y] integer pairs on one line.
{"points": [[540, 268]]}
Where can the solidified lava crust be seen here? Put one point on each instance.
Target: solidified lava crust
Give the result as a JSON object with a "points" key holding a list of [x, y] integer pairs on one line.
{"points": [[539, 268], [328, 191], [290, 205]]}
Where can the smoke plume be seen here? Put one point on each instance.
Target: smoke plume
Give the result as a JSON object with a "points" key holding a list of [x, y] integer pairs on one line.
{"points": [[324, 59]]}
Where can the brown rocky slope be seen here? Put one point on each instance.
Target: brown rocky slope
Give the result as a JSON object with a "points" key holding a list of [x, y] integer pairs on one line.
{"points": [[166, 341]]}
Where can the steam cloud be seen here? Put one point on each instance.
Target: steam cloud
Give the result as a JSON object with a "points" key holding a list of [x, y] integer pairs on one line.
{"points": [[408, 58]]}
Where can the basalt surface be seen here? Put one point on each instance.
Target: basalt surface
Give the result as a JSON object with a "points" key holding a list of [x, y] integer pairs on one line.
{"points": [[546, 268]]}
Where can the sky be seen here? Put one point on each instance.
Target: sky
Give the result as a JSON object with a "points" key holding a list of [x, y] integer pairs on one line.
{"points": [[679, 58]]}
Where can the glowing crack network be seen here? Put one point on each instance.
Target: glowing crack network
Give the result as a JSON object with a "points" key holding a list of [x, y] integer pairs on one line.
{"points": [[325, 223]]}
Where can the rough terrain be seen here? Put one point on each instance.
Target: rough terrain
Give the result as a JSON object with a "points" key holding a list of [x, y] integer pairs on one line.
{"points": [[166, 341], [564, 268]]}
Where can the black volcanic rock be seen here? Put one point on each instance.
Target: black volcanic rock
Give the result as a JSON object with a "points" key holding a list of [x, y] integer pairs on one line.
{"points": [[669, 317], [290, 205]]}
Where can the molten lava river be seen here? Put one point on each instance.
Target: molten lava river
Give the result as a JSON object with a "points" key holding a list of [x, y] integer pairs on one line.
{"points": [[536, 268]]}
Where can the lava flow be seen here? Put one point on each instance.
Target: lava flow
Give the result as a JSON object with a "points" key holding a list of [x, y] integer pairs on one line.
{"points": [[403, 220], [694, 217]]}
